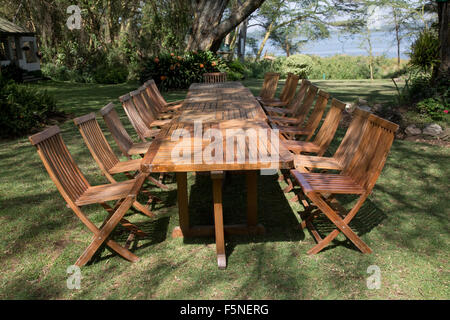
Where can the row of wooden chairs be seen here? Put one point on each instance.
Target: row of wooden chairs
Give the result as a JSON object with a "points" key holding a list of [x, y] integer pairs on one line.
{"points": [[143, 106], [359, 159]]}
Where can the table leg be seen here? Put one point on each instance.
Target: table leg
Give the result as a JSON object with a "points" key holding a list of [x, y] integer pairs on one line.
{"points": [[183, 206], [217, 177], [252, 198]]}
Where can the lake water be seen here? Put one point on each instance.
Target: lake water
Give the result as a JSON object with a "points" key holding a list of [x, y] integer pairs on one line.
{"points": [[382, 43]]}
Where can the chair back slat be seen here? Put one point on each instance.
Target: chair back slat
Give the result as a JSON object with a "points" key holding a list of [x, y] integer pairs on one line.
{"points": [[96, 142], [115, 126], [269, 86], [372, 152], [317, 113], [329, 126], [289, 88], [134, 116], [141, 106], [59, 163], [297, 101], [214, 77], [352, 138], [151, 101], [151, 85]]}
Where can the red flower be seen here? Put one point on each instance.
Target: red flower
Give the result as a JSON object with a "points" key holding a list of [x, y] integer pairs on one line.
{"points": [[172, 54], [201, 65], [213, 63], [445, 111]]}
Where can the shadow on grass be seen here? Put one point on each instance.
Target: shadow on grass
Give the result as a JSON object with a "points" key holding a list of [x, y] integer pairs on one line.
{"points": [[274, 211]]}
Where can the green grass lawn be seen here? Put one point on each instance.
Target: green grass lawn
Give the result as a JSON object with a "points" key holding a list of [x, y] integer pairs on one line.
{"points": [[405, 221]]}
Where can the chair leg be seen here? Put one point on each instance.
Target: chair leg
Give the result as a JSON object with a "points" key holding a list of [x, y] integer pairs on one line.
{"points": [[103, 234], [341, 224]]}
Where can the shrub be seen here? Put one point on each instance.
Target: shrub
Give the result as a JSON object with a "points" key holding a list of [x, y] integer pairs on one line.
{"points": [[23, 108], [172, 71], [432, 107], [425, 50], [12, 72], [106, 74], [298, 64], [257, 69]]}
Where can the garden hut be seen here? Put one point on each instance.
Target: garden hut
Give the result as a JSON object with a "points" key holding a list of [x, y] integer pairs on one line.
{"points": [[18, 45]]}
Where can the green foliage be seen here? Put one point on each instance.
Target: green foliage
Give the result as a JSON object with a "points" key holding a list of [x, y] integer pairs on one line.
{"points": [[298, 64], [172, 71], [23, 108], [432, 107], [12, 72], [257, 69], [425, 50]]}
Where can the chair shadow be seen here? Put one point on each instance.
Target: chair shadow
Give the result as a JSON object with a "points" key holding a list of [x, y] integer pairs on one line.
{"points": [[274, 211]]}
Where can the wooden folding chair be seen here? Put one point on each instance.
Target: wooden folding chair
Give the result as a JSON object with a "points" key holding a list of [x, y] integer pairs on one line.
{"points": [[147, 110], [308, 129], [154, 105], [286, 95], [325, 134], [215, 77], [269, 87], [120, 134], [344, 152], [142, 129], [105, 157], [358, 177], [77, 192], [297, 111], [152, 89]]}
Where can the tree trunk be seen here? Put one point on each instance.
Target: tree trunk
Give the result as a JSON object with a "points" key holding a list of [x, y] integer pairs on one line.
{"points": [[208, 30], [397, 36], [444, 39], [242, 40], [263, 43]]}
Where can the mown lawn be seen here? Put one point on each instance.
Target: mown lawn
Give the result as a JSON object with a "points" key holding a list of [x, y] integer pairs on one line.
{"points": [[405, 221]]}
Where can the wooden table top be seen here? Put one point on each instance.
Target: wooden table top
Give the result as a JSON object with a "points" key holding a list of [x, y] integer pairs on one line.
{"points": [[230, 113]]}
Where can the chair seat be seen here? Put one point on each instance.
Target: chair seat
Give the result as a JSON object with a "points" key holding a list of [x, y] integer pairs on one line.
{"points": [[284, 120], [151, 133], [160, 123], [292, 129], [273, 103], [174, 106], [106, 192], [277, 110], [301, 146], [126, 166], [139, 148], [327, 183], [316, 162]]}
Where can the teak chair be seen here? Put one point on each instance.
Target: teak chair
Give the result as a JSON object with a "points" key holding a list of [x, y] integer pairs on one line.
{"points": [[154, 105], [269, 86], [142, 129], [152, 89], [77, 192], [344, 152], [298, 110], [308, 129], [358, 178], [120, 134], [101, 151], [325, 134], [287, 94], [214, 77], [146, 109]]}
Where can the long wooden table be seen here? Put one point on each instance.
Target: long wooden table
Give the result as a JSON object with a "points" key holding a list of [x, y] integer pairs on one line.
{"points": [[213, 115]]}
